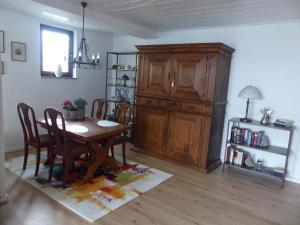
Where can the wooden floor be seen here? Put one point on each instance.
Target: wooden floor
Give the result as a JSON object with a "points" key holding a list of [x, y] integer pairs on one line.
{"points": [[189, 198]]}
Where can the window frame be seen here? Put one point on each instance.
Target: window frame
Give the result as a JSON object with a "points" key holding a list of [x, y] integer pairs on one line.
{"points": [[70, 65]]}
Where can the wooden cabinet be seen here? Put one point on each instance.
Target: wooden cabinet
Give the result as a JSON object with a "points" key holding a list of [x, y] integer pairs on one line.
{"points": [[189, 76], [152, 129], [184, 136], [155, 70], [181, 97]]}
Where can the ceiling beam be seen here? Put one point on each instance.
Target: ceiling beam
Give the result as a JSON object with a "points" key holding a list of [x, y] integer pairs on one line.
{"points": [[94, 20]]}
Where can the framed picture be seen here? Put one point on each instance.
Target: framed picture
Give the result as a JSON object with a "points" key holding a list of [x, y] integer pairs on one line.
{"points": [[18, 51], [2, 41]]}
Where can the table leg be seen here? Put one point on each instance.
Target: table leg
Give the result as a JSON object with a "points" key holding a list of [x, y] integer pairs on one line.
{"points": [[100, 157]]}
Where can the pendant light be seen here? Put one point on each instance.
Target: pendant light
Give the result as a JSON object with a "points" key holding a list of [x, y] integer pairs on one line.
{"points": [[82, 59]]}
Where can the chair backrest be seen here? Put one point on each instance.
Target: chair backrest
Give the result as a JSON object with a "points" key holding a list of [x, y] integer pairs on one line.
{"points": [[28, 123], [56, 127], [123, 113], [99, 109]]}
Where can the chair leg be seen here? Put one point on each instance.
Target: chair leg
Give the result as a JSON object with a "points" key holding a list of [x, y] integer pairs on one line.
{"points": [[51, 163], [66, 169], [26, 150], [112, 151], [38, 158], [124, 152], [48, 152]]}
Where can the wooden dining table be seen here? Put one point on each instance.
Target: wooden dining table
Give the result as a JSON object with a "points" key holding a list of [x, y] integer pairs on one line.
{"points": [[87, 131]]}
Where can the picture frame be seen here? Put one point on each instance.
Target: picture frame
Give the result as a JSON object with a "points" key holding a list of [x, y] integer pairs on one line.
{"points": [[18, 51], [2, 49]]}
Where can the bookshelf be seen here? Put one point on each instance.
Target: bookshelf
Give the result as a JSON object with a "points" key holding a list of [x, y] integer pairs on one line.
{"points": [[272, 149], [114, 83]]}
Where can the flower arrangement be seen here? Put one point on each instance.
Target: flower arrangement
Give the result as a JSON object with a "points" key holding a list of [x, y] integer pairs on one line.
{"points": [[80, 103], [66, 104]]}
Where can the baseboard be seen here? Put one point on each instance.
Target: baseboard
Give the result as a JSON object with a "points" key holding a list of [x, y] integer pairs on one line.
{"points": [[294, 180]]}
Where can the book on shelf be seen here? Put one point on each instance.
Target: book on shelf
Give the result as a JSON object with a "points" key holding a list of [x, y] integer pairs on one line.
{"points": [[235, 156], [245, 136]]}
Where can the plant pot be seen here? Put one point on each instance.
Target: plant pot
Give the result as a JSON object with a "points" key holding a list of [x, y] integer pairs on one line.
{"points": [[81, 113], [73, 115], [66, 113]]}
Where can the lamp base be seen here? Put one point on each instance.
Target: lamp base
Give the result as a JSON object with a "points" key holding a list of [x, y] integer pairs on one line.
{"points": [[246, 120]]}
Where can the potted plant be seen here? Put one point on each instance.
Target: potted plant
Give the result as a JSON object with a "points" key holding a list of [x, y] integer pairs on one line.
{"points": [[80, 103], [66, 105], [73, 112]]}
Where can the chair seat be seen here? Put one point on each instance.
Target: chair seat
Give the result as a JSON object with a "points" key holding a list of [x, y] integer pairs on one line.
{"points": [[44, 141]]}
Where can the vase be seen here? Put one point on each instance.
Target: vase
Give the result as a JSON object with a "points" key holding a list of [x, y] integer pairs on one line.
{"points": [[73, 115], [81, 113], [66, 113], [58, 72]]}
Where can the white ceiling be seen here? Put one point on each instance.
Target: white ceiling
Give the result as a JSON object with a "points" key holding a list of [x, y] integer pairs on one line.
{"points": [[144, 18]]}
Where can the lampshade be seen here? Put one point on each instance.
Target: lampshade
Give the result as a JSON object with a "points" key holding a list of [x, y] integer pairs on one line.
{"points": [[250, 92]]}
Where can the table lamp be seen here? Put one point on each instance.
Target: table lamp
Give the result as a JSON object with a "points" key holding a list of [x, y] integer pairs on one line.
{"points": [[249, 92]]}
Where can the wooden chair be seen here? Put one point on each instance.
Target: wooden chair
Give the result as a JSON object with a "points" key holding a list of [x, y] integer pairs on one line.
{"points": [[64, 146], [31, 134], [101, 109], [122, 115]]}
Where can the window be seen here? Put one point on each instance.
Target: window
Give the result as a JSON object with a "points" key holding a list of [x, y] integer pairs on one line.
{"points": [[56, 48]]}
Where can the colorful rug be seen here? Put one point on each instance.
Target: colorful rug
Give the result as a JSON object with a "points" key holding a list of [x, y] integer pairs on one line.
{"points": [[97, 198]]}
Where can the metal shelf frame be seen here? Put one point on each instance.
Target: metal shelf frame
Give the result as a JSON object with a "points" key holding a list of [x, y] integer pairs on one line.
{"points": [[283, 151]]}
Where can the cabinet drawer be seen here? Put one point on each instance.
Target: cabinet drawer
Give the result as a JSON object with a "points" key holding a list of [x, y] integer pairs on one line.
{"points": [[149, 102], [196, 108], [171, 105], [190, 107]]}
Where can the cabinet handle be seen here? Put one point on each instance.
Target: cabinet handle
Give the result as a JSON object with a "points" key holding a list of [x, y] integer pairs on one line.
{"points": [[173, 80]]}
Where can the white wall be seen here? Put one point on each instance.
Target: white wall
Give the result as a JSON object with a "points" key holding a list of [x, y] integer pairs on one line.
{"points": [[22, 81], [2, 187], [266, 56]]}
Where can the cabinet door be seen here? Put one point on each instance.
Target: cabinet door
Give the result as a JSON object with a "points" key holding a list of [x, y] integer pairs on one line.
{"points": [[153, 76], [151, 130], [189, 74], [184, 136]]}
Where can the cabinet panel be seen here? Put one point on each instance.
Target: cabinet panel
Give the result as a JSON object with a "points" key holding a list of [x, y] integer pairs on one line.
{"points": [[184, 136], [154, 74], [152, 128], [189, 73]]}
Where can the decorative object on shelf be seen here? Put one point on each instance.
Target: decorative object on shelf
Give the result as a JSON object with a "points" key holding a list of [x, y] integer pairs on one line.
{"points": [[58, 72], [124, 94], [18, 51], [80, 104], [259, 165], [266, 116], [82, 58], [118, 96], [249, 92], [249, 163], [125, 78], [264, 143], [127, 67], [2, 49], [284, 123]]}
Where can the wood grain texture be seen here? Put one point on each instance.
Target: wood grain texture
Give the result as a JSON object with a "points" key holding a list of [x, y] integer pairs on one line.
{"points": [[189, 198]]}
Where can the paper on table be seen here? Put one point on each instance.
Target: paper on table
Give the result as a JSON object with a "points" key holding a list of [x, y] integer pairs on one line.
{"points": [[107, 123]]}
